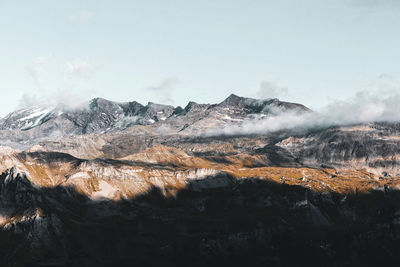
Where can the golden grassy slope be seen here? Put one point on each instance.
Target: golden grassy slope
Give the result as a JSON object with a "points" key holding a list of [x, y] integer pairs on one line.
{"points": [[171, 169]]}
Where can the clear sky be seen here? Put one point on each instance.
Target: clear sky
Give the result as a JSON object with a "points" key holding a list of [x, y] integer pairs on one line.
{"points": [[173, 51]]}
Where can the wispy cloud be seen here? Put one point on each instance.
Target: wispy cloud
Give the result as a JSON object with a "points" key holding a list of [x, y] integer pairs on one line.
{"points": [[68, 91], [270, 89], [28, 100], [387, 82], [79, 68], [81, 17], [36, 69], [164, 89]]}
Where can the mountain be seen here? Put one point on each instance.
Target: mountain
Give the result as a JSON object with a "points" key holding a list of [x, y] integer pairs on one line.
{"points": [[125, 184], [96, 116], [101, 115]]}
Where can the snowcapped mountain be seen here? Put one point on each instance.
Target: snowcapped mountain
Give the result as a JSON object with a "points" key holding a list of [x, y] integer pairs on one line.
{"points": [[98, 115], [101, 115], [28, 118]]}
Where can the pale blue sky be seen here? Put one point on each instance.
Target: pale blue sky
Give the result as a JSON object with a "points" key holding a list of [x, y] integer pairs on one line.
{"points": [[173, 51]]}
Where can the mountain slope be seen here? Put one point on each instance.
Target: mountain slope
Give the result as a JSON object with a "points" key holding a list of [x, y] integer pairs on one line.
{"points": [[153, 208]]}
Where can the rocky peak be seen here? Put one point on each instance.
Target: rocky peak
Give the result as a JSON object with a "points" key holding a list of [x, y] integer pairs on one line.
{"points": [[194, 107], [190, 105], [131, 108], [178, 111], [252, 105], [233, 100], [97, 105], [153, 112]]}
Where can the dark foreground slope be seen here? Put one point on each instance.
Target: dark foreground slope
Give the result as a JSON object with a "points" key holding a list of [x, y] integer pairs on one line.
{"points": [[249, 222]]}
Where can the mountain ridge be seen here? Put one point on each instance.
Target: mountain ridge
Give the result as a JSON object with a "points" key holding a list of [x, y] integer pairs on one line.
{"points": [[100, 115]]}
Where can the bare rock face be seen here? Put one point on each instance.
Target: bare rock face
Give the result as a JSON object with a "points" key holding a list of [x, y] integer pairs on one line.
{"points": [[253, 106], [374, 147], [126, 184]]}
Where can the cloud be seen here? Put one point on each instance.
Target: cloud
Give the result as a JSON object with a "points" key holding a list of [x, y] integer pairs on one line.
{"points": [[28, 100], [36, 69], [364, 107], [81, 17], [69, 93], [387, 83], [164, 89], [65, 99], [79, 68], [271, 90], [70, 99]]}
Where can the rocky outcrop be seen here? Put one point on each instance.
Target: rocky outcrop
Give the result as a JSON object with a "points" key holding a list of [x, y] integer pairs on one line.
{"points": [[374, 147]]}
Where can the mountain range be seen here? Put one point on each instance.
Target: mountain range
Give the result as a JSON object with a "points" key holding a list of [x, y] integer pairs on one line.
{"points": [[100, 115], [123, 184]]}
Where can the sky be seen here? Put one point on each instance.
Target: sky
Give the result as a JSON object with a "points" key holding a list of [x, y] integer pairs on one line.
{"points": [[310, 51]]}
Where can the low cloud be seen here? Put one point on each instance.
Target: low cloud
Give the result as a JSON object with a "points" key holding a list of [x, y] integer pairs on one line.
{"points": [[65, 99], [270, 89], [70, 99], [28, 100], [164, 90], [81, 17], [364, 107]]}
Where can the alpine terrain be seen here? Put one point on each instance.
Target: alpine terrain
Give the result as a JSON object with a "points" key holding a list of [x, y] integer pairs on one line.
{"points": [[126, 184]]}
